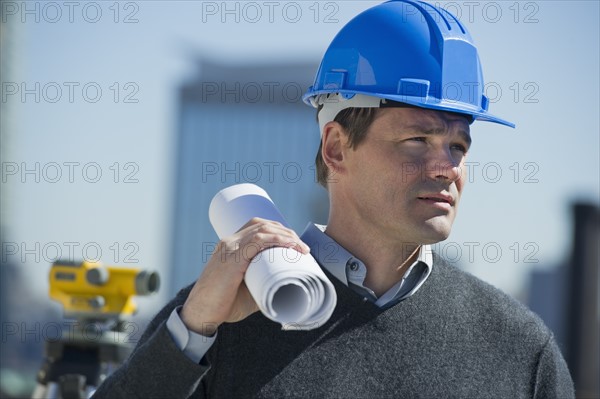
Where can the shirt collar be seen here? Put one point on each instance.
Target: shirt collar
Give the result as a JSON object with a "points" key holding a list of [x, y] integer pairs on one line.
{"points": [[333, 257], [328, 253]]}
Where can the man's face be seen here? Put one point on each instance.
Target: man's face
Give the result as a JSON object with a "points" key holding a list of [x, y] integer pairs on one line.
{"points": [[406, 177]]}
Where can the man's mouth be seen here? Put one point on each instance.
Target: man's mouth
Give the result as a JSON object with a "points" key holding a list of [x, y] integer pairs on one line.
{"points": [[438, 198]]}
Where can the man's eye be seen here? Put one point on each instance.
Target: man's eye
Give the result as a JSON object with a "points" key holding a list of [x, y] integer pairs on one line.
{"points": [[421, 139], [460, 148]]}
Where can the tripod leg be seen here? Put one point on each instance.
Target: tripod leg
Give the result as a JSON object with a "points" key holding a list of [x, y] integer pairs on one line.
{"points": [[72, 386], [46, 391]]}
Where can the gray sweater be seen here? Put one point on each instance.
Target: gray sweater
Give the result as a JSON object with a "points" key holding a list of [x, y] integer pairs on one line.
{"points": [[457, 337]]}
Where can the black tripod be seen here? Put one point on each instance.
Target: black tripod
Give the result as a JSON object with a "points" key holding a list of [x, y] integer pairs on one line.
{"points": [[74, 366]]}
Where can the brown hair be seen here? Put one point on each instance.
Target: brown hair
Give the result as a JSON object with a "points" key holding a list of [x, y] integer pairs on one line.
{"points": [[356, 123]]}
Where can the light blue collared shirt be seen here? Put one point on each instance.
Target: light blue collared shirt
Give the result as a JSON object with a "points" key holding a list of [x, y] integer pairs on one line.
{"points": [[352, 271], [344, 266]]}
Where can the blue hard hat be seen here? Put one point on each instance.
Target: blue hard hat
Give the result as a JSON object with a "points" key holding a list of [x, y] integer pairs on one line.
{"points": [[406, 51]]}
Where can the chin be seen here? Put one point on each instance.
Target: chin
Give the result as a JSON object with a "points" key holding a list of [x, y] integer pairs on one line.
{"points": [[435, 231]]}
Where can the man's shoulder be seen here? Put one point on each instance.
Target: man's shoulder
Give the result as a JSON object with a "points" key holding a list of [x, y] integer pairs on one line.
{"points": [[486, 303], [467, 286]]}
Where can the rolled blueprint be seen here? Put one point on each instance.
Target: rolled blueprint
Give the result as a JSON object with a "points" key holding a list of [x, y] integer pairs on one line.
{"points": [[289, 287]]}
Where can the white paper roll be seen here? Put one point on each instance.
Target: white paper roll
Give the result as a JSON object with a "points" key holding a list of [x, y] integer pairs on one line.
{"points": [[289, 287]]}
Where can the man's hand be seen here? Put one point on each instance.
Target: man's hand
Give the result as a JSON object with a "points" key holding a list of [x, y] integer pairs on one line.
{"points": [[220, 294]]}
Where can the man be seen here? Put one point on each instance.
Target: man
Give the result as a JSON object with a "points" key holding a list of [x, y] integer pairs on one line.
{"points": [[393, 148]]}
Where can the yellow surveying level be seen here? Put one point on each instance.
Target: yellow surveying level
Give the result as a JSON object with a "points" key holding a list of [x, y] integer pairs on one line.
{"points": [[96, 296], [91, 290]]}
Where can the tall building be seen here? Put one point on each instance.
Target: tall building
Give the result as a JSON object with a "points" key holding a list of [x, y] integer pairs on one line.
{"points": [[567, 299], [242, 124]]}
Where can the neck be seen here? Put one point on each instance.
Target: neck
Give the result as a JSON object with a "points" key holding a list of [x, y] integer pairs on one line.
{"points": [[386, 258]]}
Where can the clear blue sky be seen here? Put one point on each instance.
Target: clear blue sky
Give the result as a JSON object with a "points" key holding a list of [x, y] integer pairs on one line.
{"points": [[541, 59]]}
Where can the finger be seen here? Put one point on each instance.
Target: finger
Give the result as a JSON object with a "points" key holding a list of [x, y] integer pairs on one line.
{"points": [[262, 232], [270, 236], [257, 220]]}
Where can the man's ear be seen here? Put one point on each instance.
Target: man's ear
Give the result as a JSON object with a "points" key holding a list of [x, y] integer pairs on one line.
{"points": [[334, 146]]}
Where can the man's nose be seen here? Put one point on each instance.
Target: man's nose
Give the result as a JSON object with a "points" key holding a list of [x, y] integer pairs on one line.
{"points": [[443, 166]]}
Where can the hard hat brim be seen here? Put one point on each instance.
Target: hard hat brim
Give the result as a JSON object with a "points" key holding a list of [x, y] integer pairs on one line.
{"points": [[447, 106]]}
